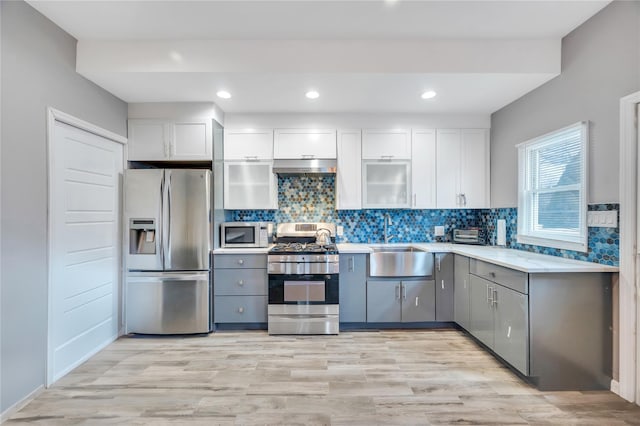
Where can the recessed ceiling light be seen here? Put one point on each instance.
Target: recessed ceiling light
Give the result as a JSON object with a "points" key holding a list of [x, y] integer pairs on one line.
{"points": [[428, 94], [312, 94], [223, 94]]}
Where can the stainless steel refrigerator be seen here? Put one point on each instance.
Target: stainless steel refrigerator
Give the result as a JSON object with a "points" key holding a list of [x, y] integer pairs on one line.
{"points": [[167, 246]]}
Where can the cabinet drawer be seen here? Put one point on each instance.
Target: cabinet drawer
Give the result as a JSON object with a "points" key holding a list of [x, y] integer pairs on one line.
{"points": [[516, 280], [229, 282], [234, 309], [240, 261]]}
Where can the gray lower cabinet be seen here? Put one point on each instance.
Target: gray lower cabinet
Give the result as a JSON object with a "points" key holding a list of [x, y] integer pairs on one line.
{"points": [[400, 301], [461, 290], [444, 286], [353, 287], [499, 319], [511, 337], [240, 309], [240, 285]]}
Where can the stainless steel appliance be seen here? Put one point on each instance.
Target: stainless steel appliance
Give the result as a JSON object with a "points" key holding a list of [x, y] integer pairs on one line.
{"points": [[246, 234], [469, 236], [303, 281], [304, 166], [168, 246]]}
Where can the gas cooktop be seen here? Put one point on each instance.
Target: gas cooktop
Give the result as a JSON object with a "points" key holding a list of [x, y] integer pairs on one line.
{"points": [[302, 248], [299, 238]]}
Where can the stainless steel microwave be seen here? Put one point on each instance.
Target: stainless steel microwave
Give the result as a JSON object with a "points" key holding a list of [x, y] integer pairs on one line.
{"points": [[246, 234]]}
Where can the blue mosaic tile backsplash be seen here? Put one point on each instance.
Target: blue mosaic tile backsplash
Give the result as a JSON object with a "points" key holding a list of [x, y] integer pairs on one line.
{"points": [[312, 199], [604, 243]]}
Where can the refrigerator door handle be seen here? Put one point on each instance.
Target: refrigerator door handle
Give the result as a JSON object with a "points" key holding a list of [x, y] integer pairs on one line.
{"points": [[160, 238], [168, 264], [166, 224]]}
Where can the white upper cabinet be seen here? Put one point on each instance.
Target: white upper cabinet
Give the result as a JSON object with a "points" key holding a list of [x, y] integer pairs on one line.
{"points": [[175, 140], [386, 144], [349, 173], [248, 144], [304, 144], [148, 140], [190, 140], [475, 169], [462, 163], [423, 169]]}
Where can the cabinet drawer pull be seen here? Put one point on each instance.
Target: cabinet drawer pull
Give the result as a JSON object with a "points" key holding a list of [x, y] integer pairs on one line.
{"points": [[439, 260], [495, 297], [398, 292], [241, 282], [404, 292], [416, 300], [306, 156], [442, 283], [241, 310], [240, 261], [351, 264]]}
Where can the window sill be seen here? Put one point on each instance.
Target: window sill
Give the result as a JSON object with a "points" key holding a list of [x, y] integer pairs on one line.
{"points": [[546, 242]]}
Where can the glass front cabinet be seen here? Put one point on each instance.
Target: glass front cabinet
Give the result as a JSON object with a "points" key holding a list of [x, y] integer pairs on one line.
{"points": [[250, 185], [386, 184]]}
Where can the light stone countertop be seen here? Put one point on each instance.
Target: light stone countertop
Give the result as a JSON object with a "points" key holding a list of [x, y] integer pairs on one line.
{"points": [[515, 259], [243, 250]]}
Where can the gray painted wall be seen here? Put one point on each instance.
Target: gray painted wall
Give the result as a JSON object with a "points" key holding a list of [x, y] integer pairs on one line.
{"points": [[38, 70], [600, 64]]}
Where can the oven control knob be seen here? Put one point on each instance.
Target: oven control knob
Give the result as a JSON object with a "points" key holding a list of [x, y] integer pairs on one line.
{"points": [[241, 282], [241, 310], [241, 261]]}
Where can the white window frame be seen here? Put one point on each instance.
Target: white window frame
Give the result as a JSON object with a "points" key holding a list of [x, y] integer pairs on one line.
{"points": [[554, 239]]}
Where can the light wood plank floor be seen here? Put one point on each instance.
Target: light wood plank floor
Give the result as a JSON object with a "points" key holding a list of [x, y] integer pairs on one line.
{"points": [[356, 378]]}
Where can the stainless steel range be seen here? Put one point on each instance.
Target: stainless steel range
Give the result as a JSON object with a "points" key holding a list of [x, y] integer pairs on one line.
{"points": [[303, 280]]}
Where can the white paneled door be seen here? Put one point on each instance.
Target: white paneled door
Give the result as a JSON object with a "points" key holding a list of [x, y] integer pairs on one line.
{"points": [[84, 251]]}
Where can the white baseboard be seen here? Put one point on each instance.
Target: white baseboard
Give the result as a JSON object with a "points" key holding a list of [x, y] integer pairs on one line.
{"points": [[615, 387], [20, 404], [82, 360]]}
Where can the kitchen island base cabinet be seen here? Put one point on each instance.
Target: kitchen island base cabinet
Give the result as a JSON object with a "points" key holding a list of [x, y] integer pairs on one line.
{"points": [[400, 301], [353, 288]]}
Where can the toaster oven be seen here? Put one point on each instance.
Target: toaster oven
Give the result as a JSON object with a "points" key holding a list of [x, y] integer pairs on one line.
{"points": [[469, 236]]}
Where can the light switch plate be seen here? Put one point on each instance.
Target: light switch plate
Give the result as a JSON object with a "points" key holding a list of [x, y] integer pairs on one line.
{"points": [[438, 231], [603, 219], [339, 230]]}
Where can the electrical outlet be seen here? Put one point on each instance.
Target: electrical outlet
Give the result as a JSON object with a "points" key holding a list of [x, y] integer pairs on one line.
{"points": [[340, 230], [438, 231]]}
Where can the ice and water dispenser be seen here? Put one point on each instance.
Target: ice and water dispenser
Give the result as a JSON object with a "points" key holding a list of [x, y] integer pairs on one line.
{"points": [[142, 236]]}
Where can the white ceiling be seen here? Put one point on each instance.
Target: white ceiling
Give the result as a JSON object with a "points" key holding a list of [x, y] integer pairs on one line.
{"points": [[362, 56]]}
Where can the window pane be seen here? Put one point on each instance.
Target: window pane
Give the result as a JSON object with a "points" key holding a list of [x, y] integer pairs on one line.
{"points": [[558, 211]]}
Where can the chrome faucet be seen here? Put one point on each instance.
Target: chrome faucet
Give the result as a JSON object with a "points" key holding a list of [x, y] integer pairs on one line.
{"points": [[387, 221]]}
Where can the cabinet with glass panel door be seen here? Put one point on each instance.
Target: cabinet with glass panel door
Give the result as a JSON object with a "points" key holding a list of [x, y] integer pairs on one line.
{"points": [[250, 185], [386, 183]]}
